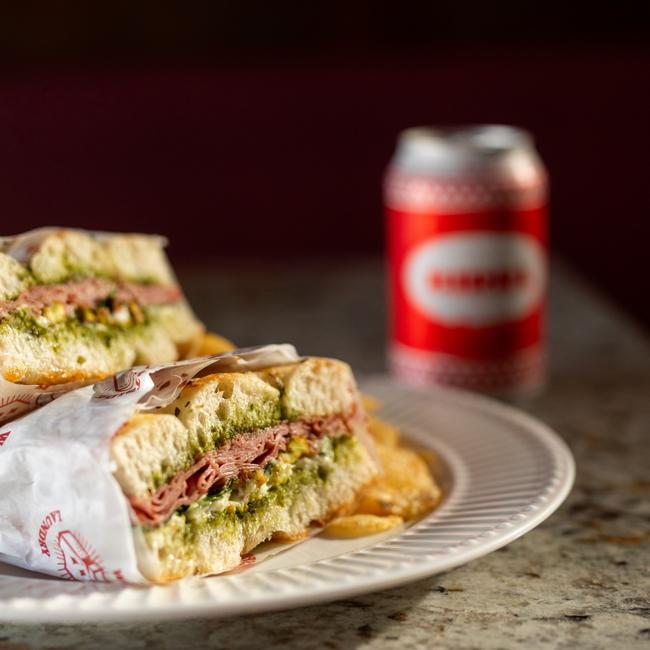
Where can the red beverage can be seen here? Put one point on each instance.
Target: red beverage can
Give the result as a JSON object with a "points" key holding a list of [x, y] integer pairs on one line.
{"points": [[466, 225]]}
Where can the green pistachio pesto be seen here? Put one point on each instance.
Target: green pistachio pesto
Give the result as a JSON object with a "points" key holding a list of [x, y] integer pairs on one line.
{"points": [[260, 415], [167, 471], [277, 382], [25, 276], [188, 521], [256, 417], [61, 330], [182, 539]]}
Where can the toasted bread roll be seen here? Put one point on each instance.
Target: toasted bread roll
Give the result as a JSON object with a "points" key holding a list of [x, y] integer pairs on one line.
{"points": [[67, 253], [237, 458], [148, 445], [13, 277], [78, 306], [138, 257]]}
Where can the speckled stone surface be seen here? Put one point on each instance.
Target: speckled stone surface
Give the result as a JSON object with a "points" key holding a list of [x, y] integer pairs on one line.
{"points": [[582, 579]]}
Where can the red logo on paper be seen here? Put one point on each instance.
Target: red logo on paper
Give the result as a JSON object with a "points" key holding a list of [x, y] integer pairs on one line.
{"points": [[122, 383], [3, 437], [77, 559], [13, 405], [48, 521]]}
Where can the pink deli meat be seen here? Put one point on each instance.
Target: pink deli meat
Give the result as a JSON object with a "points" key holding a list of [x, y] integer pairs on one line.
{"points": [[88, 293], [241, 455]]}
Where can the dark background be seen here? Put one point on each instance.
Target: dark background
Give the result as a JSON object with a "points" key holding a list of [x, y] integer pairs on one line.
{"points": [[261, 131]]}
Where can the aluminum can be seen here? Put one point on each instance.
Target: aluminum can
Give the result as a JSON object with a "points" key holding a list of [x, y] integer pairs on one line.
{"points": [[466, 231]]}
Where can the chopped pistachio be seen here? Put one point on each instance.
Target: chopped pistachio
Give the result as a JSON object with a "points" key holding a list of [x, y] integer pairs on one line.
{"points": [[54, 313], [136, 312], [103, 315], [87, 315]]}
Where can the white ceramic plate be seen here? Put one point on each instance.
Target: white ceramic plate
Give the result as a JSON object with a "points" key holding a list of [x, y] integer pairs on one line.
{"points": [[503, 473]]}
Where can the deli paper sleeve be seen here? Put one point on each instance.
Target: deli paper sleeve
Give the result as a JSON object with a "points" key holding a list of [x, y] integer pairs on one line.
{"points": [[61, 511]]}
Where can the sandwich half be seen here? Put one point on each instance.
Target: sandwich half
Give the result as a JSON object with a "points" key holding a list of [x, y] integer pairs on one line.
{"points": [[79, 306], [239, 458]]}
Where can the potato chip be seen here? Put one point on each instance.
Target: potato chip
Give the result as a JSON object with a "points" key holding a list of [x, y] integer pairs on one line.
{"points": [[383, 433], [360, 525], [405, 488], [214, 344], [280, 536], [370, 403]]}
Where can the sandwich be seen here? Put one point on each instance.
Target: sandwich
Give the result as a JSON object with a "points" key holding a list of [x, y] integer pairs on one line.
{"points": [[238, 458], [77, 306]]}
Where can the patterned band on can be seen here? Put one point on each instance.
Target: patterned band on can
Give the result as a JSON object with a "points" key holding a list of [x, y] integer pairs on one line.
{"points": [[419, 193], [524, 370]]}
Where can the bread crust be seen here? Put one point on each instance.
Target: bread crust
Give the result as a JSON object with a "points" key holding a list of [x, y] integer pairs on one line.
{"points": [[311, 387]]}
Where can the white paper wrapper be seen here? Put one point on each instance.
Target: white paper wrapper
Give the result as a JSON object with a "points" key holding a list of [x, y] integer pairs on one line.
{"points": [[17, 399], [61, 510]]}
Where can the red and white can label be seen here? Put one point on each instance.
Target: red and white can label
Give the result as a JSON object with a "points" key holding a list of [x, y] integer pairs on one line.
{"points": [[467, 292]]}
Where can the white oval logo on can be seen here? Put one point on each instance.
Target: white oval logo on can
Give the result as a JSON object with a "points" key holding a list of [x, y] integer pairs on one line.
{"points": [[475, 279]]}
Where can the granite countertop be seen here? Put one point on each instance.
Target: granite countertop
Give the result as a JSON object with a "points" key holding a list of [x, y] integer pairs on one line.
{"points": [[581, 579]]}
